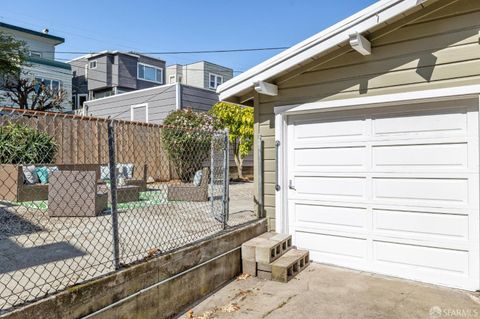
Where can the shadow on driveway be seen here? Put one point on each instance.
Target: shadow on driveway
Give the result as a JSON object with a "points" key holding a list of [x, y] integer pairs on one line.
{"points": [[14, 257]]}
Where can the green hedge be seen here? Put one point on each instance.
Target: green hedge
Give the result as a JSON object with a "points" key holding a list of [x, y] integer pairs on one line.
{"points": [[21, 144], [186, 137]]}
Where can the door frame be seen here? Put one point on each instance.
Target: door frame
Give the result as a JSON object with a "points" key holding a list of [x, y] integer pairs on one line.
{"points": [[282, 120]]}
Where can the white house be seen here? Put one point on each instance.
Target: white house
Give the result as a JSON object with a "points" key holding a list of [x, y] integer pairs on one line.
{"points": [[372, 141], [41, 63]]}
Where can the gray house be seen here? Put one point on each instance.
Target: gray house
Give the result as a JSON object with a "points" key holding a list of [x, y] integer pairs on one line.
{"points": [[151, 105], [201, 74], [41, 64], [109, 73]]}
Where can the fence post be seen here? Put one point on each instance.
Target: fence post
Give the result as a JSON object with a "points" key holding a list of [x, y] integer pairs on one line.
{"points": [[226, 177], [113, 191], [260, 177]]}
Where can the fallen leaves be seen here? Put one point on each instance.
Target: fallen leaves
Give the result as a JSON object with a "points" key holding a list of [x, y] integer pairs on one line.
{"points": [[243, 277], [228, 308], [152, 252]]}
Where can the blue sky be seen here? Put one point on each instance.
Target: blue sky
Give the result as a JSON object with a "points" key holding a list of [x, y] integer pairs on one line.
{"points": [[153, 26]]}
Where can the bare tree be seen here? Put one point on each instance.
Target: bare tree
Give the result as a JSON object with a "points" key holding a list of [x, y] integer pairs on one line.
{"points": [[33, 95]]}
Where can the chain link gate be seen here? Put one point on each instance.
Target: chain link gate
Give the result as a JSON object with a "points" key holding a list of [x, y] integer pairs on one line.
{"points": [[82, 197]]}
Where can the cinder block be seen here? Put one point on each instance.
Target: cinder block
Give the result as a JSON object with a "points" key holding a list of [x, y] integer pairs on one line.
{"points": [[266, 275], [290, 264], [264, 267], [269, 250], [248, 247], [249, 267]]}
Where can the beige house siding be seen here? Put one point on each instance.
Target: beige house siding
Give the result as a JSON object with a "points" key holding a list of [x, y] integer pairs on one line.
{"points": [[435, 48]]}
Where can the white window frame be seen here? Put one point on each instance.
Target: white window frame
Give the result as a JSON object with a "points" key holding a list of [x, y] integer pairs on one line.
{"points": [[283, 112], [150, 66], [90, 64], [35, 54], [42, 79], [217, 76], [174, 77], [137, 106]]}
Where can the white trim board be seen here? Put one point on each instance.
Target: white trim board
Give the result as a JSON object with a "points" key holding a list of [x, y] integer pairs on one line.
{"points": [[157, 87], [384, 100], [137, 106], [282, 113], [178, 96]]}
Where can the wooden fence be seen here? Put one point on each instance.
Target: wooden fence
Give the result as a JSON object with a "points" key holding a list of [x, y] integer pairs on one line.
{"points": [[84, 140]]}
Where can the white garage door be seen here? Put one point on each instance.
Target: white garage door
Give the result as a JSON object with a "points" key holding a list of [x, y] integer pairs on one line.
{"points": [[391, 190]]}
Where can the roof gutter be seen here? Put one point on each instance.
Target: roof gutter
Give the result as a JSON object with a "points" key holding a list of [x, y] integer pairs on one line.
{"points": [[335, 35]]}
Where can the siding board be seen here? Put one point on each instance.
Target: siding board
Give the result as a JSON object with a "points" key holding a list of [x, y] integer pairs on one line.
{"points": [[418, 60]]}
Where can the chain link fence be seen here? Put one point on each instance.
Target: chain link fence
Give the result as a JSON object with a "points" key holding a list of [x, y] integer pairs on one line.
{"points": [[83, 197]]}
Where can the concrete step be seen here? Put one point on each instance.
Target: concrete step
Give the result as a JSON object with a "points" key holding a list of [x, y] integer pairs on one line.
{"points": [[266, 247], [273, 249], [289, 265], [261, 253]]}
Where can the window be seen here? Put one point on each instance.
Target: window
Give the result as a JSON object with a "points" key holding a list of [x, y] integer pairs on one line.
{"points": [[139, 113], [172, 79], [149, 73], [92, 64], [214, 80], [54, 85], [103, 93], [35, 54]]}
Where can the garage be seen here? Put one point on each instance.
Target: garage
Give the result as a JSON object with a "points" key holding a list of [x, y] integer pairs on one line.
{"points": [[366, 141], [391, 190]]}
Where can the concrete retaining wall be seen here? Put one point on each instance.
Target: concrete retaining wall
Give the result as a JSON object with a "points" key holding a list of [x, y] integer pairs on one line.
{"points": [[158, 288]]}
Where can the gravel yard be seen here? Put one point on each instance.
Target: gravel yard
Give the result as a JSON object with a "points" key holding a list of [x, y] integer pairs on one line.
{"points": [[40, 254]]}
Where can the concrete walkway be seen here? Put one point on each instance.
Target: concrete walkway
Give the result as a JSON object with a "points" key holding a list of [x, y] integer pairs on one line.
{"points": [[329, 292]]}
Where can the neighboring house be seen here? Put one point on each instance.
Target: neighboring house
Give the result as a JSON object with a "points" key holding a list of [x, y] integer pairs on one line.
{"points": [[372, 138], [41, 64], [201, 74], [112, 72], [152, 105]]}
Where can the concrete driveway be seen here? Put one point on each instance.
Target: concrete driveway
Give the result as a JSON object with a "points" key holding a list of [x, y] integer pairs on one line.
{"points": [[329, 292]]}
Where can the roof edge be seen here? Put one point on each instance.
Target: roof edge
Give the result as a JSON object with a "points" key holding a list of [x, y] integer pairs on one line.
{"points": [[60, 40], [332, 36]]}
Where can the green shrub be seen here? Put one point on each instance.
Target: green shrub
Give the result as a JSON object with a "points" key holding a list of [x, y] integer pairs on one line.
{"points": [[186, 137], [21, 144]]}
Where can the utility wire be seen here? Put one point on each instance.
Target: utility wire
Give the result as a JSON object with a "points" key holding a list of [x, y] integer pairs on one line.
{"points": [[178, 52], [80, 66]]}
